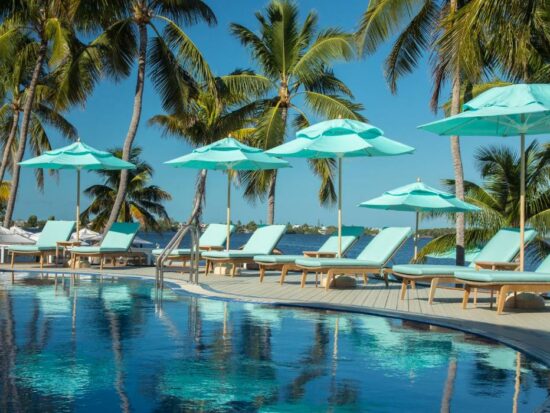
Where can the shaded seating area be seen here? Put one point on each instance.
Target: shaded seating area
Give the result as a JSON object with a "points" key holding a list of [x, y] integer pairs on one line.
{"points": [[329, 249], [262, 242], [115, 244], [46, 245], [505, 282], [372, 260], [498, 254]]}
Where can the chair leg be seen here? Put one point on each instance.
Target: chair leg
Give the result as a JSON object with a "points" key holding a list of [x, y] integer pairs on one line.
{"points": [[101, 262], [465, 297], [12, 259], [41, 261], [284, 271], [233, 269], [475, 297], [365, 278], [503, 293], [304, 276], [433, 287], [386, 281], [262, 273], [404, 288], [413, 284], [207, 268], [330, 277]]}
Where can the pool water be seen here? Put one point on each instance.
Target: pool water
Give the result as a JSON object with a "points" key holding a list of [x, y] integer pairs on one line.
{"points": [[91, 345]]}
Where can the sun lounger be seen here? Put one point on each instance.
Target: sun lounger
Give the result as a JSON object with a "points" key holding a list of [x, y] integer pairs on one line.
{"points": [[213, 238], [505, 282], [328, 250], [262, 242], [372, 260], [116, 243], [46, 245], [497, 254]]}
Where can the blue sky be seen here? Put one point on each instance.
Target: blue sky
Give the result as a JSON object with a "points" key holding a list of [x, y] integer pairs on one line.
{"points": [[103, 123]]}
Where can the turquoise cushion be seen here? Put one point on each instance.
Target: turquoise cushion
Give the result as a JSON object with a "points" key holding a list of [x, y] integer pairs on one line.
{"points": [[504, 246], [503, 276], [55, 231], [380, 249], [96, 250], [426, 269], [264, 239], [215, 235], [29, 248], [349, 236], [174, 253], [228, 254], [336, 263], [277, 259], [120, 236]]}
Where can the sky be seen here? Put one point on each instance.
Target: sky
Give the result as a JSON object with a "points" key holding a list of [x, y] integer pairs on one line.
{"points": [[103, 123]]}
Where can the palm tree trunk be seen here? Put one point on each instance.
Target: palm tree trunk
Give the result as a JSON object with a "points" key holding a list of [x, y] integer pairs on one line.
{"points": [[200, 190], [457, 158], [9, 143], [273, 181], [132, 130], [27, 109]]}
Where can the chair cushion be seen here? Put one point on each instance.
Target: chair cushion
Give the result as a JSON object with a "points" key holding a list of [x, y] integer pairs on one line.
{"points": [[349, 236], [427, 269], [29, 248], [335, 263], [215, 235], [55, 231], [229, 254], [384, 244], [96, 250], [503, 276], [264, 239], [174, 253], [277, 259], [120, 236]]}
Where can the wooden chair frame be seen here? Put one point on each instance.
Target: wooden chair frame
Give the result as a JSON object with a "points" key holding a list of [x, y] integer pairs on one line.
{"points": [[435, 280], [102, 255], [503, 289], [290, 266], [41, 254]]}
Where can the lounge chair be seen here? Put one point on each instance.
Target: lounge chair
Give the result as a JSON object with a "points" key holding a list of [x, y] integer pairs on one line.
{"points": [[116, 243], [504, 282], [46, 245], [262, 242], [329, 249], [498, 254], [372, 260], [213, 238]]}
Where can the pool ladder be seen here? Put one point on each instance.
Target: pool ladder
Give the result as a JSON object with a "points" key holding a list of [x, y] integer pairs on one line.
{"points": [[161, 268]]}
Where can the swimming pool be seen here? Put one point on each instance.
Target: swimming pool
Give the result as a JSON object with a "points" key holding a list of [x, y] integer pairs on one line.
{"points": [[107, 345]]}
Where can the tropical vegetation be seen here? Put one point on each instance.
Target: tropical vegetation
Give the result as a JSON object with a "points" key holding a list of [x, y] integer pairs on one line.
{"points": [[143, 202], [498, 198]]}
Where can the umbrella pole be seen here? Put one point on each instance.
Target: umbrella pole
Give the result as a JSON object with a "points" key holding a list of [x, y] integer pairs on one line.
{"points": [[339, 207], [228, 218], [522, 205], [78, 204], [416, 236]]}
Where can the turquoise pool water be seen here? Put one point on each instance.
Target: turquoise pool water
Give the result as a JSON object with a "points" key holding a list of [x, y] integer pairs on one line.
{"points": [[106, 346]]}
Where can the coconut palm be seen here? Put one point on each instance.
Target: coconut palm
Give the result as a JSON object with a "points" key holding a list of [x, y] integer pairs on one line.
{"points": [[48, 23], [498, 197], [144, 202], [212, 116], [171, 55], [296, 59]]}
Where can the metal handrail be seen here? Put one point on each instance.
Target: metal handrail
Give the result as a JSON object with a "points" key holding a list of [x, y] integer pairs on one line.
{"points": [[173, 244]]}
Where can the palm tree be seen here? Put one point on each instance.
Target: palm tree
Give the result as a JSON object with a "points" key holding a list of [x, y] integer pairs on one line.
{"points": [[296, 59], [49, 24], [417, 26], [126, 39], [498, 197], [212, 116], [142, 204]]}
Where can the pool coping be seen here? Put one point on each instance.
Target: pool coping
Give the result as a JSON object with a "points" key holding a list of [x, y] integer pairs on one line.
{"points": [[200, 290]]}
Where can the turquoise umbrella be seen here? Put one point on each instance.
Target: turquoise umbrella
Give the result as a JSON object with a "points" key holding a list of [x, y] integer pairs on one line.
{"points": [[503, 111], [229, 155], [77, 156], [340, 138], [418, 197]]}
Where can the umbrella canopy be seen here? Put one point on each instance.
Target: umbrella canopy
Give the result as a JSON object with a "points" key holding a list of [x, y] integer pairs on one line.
{"points": [[228, 154], [77, 156], [9, 237], [340, 138], [522, 109], [418, 197]]}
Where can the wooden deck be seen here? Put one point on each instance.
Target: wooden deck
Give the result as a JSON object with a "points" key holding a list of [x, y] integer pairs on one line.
{"points": [[526, 330]]}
